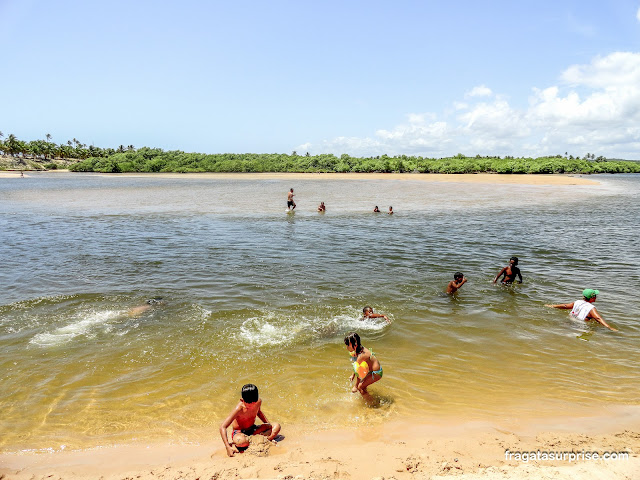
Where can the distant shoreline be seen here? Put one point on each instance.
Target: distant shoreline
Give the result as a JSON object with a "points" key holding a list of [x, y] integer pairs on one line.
{"points": [[479, 178]]}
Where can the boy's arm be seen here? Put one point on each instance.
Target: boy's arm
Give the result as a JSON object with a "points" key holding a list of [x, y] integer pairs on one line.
{"points": [[519, 276], [565, 306], [231, 449], [499, 275], [379, 315], [262, 417], [596, 316]]}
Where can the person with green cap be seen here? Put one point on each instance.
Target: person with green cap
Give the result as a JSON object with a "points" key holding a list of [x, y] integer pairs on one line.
{"points": [[585, 309]]}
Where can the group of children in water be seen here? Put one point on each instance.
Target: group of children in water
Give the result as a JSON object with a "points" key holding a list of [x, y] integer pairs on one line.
{"points": [[366, 366], [291, 205]]}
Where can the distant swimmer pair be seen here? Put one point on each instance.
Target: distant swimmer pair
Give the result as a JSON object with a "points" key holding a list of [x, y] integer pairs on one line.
{"points": [[377, 210], [291, 204]]}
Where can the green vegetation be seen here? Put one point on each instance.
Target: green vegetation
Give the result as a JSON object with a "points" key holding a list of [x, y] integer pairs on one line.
{"points": [[46, 149], [155, 160], [129, 159]]}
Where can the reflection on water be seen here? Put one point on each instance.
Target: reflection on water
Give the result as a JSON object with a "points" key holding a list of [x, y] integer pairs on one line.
{"points": [[254, 295]]}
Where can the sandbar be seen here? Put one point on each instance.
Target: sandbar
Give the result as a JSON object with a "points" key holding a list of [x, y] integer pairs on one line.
{"points": [[479, 178]]}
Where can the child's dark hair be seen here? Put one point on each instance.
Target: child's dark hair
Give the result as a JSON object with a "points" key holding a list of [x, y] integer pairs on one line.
{"points": [[457, 275], [353, 339], [366, 309], [250, 393], [515, 260]]}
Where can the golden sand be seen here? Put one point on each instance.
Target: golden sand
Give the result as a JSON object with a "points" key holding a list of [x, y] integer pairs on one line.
{"points": [[486, 178], [402, 450]]}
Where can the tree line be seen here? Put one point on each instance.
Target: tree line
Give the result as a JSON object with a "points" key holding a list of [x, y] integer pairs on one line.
{"points": [[47, 150], [129, 159], [157, 160]]}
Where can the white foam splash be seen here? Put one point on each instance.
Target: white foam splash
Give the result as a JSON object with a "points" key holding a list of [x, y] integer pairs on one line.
{"points": [[358, 324], [83, 326], [272, 329], [266, 331]]}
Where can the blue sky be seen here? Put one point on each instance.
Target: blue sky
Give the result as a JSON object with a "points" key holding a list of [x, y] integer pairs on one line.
{"points": [[359, 77]]}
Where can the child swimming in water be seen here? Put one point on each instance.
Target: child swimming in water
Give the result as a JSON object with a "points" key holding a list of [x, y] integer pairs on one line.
{"points": [[456, 283], [367, 312], [148, 305], [366, 365]]}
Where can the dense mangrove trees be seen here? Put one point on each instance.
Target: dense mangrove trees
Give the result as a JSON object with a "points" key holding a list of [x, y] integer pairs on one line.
{"points": [[129, 159]]}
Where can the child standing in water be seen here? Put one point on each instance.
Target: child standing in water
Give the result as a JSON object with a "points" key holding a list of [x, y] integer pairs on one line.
{"points": [[366, 365], [509, 272], [456, 283]]}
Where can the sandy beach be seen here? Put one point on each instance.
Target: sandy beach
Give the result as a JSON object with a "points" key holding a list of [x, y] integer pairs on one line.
{"points": [[486, 178], [396, 450]]}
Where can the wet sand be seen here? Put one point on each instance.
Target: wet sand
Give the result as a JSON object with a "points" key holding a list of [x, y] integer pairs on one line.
{"points": [[397, 450], [487, 178]]}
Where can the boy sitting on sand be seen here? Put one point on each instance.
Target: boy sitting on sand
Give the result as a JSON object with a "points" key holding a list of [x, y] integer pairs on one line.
{"points": [[456, 283], [242, 420]]}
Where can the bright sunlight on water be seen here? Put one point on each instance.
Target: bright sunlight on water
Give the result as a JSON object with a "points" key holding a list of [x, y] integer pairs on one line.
{"points": [[254, 295]]}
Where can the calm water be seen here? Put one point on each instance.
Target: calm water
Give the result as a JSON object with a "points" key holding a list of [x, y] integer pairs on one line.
{"points": [[256, 295]]}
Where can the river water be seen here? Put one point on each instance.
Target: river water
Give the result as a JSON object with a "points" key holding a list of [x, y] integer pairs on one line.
{"points": [[255, 295]]}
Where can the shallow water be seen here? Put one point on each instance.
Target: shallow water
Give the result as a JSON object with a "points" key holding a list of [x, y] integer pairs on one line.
{"points": [[256, 295]]}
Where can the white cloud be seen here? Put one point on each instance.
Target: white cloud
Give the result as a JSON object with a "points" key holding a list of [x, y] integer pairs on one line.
{"points": [[638, 14], [479, 91], [497, 119], [616, 69], [595, 109]]}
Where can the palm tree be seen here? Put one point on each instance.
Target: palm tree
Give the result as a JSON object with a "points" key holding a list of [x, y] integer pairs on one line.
{"points": [[12, 144], [131, 148], [48, 137]]}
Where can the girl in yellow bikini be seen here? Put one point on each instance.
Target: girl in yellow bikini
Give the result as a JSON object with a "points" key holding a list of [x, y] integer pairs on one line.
{"points": [[367, 369]]}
